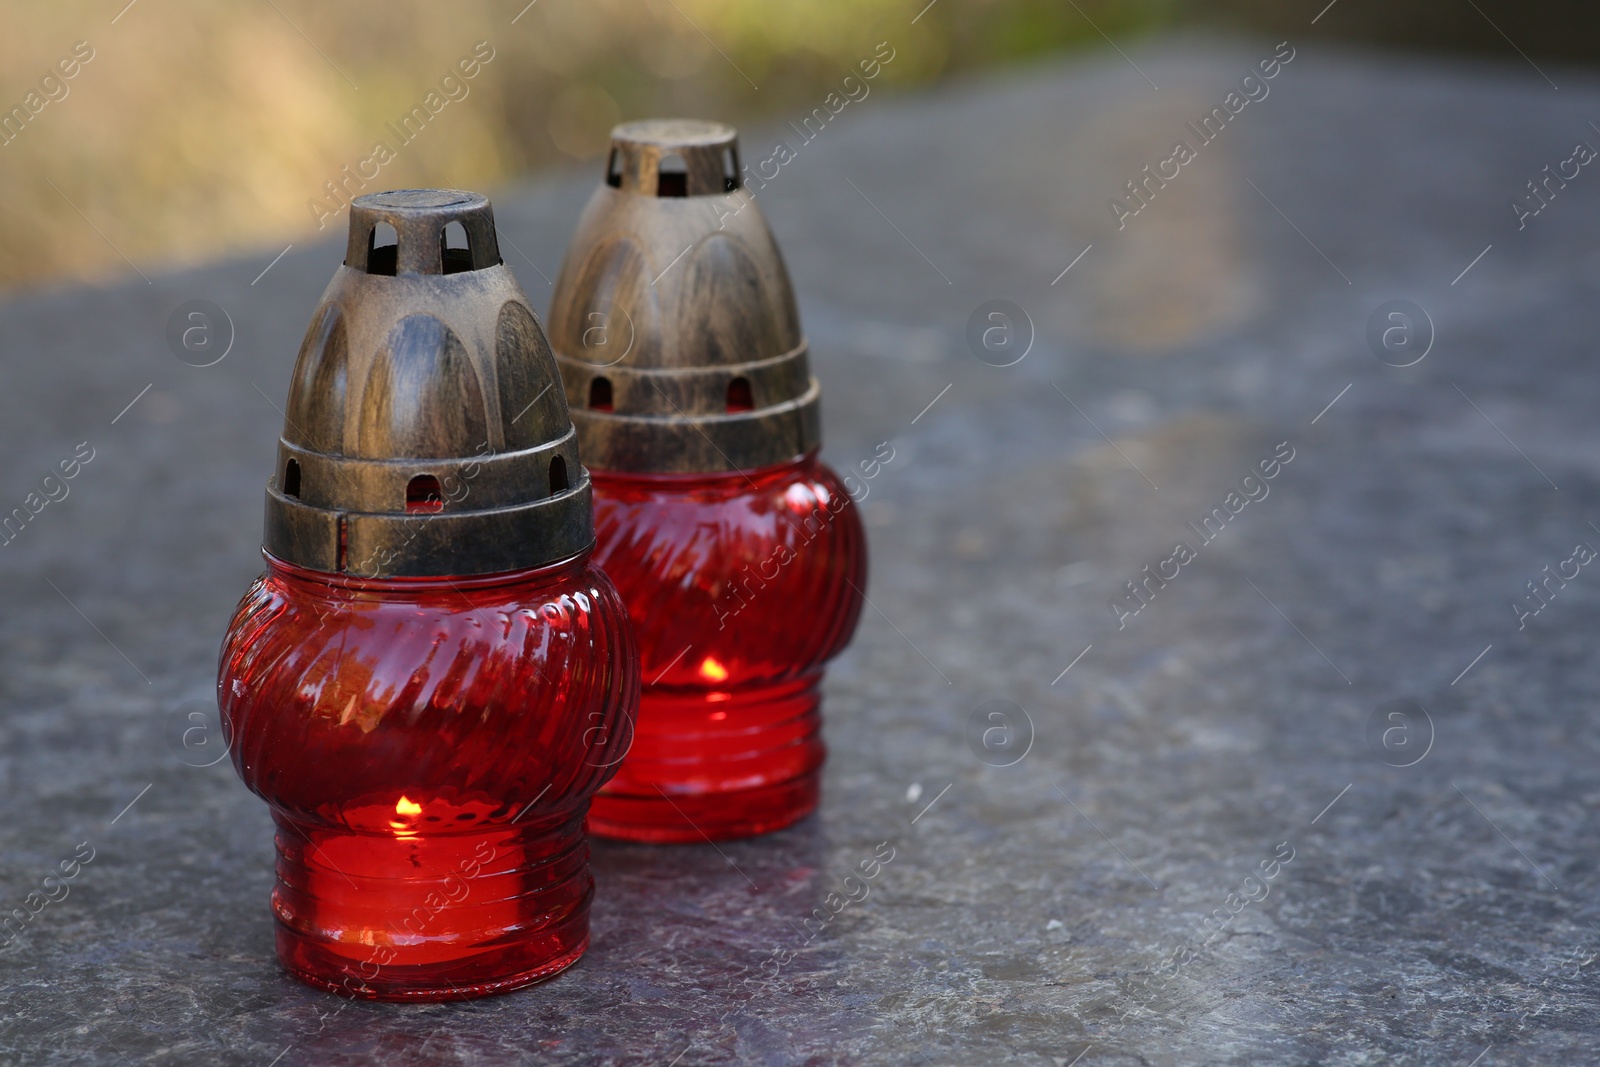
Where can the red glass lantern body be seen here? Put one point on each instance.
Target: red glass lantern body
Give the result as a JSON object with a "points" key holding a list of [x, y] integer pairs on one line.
{"points": [[741, 586], [429, 747]]}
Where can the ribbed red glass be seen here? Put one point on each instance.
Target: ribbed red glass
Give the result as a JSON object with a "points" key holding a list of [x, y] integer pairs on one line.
{"points": [[740, 587], [429, 747]]}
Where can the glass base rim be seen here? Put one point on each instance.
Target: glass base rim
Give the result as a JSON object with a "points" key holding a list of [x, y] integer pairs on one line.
{"points": [[615, 827], [399, 991]]}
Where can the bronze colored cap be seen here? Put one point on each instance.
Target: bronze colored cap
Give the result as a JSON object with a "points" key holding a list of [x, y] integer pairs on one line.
{"points": [[673, 320], [424, 432]]}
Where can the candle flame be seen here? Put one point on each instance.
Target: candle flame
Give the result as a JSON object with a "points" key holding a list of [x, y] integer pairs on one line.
{"points": [[712, 671], [407, 810]]}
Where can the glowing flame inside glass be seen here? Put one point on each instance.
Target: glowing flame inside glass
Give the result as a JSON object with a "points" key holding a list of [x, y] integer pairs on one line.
{"points": [[408, 810]]}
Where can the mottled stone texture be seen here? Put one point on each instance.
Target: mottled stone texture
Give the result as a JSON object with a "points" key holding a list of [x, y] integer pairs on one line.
{"points": [[1035, 910]]}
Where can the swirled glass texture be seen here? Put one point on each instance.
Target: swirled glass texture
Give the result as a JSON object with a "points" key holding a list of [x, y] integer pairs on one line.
{"points": [[429, 748], [741, 586]]}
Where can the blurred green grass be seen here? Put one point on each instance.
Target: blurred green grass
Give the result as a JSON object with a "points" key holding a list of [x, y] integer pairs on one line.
{"points": [[201, 128]]}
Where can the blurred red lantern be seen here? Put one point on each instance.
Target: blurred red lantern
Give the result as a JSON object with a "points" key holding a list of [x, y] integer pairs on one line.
{"points": [[740, 555]]}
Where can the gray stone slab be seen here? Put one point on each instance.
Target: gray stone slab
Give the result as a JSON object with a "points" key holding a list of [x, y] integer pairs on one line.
{"points": [[1036, 913]]}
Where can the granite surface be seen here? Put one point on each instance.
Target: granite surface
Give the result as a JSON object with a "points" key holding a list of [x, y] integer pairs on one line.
{"points": [[1085, 879]]}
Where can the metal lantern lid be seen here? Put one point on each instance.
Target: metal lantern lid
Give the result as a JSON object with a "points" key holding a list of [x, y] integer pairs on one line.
{"points": [[423, 433], [673, 320]]}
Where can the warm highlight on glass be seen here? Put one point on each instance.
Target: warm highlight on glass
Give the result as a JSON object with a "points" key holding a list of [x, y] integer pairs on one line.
{"points": [[429, 747], [740, 587]]}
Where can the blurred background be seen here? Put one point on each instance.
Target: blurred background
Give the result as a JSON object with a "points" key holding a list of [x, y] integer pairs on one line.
{"points": [[192, 129]]}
